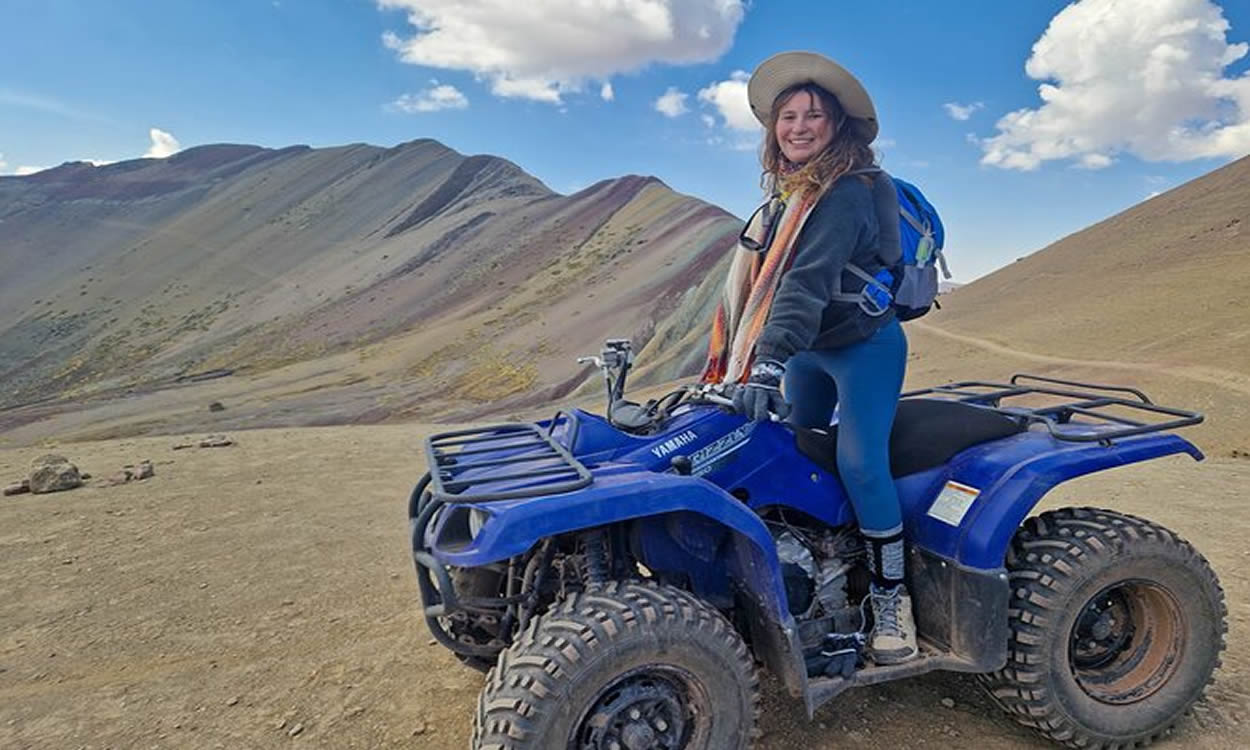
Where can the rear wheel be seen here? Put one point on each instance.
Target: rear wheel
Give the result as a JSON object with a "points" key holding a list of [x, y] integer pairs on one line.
{"points": [[1116, 628], [624, 666]]}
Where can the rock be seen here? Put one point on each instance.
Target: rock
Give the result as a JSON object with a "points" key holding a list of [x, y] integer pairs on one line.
{"points": [[54, 477], [948, 702], [144, 470], [48, 459], [216, 406], [216, 441], [295, 730], [120, 477], [234, 701], [132, 473], [18, 488]]}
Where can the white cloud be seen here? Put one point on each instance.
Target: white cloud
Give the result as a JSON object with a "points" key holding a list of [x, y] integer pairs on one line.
{"points": [[432, 99], [708, 121], [163, 144], [3, 163], [606, 92], [542, 49], [1145, 79], [730, 100], [962, 112], [25, 170], [1094, 161], [672, 103]]}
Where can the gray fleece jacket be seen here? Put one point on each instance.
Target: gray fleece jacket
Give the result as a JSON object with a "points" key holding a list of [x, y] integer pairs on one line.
{"points": [[842, 228]]}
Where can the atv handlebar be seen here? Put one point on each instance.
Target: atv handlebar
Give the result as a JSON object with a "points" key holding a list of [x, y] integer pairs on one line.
{"points": [[720, 400]]}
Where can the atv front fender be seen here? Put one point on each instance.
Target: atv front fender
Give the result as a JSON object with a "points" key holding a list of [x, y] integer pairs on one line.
{"points": [[1011, 476], [736, 542]]}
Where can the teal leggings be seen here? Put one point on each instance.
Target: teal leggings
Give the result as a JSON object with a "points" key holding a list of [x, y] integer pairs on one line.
{"points": [[864, 381]]}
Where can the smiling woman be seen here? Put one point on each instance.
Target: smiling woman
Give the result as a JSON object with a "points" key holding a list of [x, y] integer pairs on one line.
{"points": [[785, 319]]}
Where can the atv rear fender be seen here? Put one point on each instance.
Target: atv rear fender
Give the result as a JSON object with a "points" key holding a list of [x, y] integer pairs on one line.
{"points": [[678, 526], [1010, 477]]}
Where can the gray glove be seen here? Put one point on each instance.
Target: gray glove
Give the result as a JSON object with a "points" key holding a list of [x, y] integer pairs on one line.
{"points": [[761, 394]]}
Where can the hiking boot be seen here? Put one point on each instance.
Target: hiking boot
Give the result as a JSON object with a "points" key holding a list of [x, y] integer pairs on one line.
{"points": [[893, 638]]}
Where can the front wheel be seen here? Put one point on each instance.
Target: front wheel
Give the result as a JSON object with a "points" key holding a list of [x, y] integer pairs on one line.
{"points": [[1116, 628], [624, 666]]}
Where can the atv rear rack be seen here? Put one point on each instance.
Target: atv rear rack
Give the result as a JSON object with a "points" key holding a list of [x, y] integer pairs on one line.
{"points": [[1079, 416], [511, 453]]}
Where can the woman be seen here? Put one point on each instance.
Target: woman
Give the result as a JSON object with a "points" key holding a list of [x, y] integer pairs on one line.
{"points": [[793, 316]]}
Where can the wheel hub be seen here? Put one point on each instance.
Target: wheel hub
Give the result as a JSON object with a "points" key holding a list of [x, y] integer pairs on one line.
{"points": [[1125, 643], [642, 710]]}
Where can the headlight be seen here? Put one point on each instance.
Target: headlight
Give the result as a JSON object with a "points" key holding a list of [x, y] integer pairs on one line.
{"points": [[477, 519]]}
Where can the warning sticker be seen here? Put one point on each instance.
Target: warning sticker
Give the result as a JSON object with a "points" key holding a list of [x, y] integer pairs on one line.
{"points": [[953, 502]]}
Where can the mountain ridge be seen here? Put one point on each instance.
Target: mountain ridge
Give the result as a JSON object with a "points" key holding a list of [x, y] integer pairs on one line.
{"points": [[242, 258], [359, 283]]}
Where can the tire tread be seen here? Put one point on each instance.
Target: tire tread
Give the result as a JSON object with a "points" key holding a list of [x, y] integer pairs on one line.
{"points": [[525, 682], [1047, 558]]}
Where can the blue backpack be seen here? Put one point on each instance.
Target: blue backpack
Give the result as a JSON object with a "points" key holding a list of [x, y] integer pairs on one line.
{"points": [[910, 285]]}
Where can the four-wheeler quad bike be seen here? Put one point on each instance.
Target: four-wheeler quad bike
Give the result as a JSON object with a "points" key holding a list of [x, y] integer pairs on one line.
{"points": [[621, 576]]}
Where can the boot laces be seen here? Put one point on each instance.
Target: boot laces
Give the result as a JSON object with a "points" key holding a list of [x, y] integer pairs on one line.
{"points": [[885, 604]]}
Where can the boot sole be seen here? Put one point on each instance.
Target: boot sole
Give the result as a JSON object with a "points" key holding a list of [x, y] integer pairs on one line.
{"points": [[890, 658]]}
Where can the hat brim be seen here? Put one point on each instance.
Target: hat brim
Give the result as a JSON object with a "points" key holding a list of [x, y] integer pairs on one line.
{"points": [[781, 71]]}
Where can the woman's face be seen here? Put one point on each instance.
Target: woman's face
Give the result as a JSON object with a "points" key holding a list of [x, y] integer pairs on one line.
{"points": [[803, 127]]}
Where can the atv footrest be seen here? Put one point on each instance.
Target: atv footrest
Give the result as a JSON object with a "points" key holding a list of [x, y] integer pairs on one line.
{"points": [[501, 462], [821, 690]]}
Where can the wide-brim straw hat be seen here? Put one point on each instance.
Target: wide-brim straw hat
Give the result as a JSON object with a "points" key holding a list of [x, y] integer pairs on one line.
{"points": [[781, 71]]}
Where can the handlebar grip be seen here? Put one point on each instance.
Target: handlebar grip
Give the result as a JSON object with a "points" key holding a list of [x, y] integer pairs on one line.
{"points": [[722, 401]]}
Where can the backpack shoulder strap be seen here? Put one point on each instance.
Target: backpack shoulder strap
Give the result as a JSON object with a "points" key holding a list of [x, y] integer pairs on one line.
{"points": [[867, 278]]}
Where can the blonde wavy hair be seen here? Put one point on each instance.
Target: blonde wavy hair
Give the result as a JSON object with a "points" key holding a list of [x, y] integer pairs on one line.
{"points": [[849, 150]]}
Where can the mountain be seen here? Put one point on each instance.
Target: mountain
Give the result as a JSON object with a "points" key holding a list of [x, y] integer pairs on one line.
{"points": [[1157, 296], [1168, 280], [354, 283], [305, 286]]}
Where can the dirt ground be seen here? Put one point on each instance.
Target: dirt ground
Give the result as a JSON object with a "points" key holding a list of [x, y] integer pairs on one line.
{"points": [[262, 596]]}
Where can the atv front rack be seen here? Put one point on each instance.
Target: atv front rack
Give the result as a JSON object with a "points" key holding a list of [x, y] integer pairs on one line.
{"points": [[475, 465], [1090, 415]]}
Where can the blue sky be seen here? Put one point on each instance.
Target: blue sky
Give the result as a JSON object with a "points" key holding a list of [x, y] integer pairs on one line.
{"points": [[1139, 96]]}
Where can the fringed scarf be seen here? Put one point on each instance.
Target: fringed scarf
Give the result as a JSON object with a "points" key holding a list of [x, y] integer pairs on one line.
{"points": [[749, 289]]}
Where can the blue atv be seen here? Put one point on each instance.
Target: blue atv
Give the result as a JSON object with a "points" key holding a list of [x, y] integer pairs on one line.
{"points": [[621, 575]]}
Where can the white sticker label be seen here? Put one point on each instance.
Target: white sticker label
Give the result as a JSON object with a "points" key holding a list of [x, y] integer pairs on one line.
{"points": [[953, 502]]}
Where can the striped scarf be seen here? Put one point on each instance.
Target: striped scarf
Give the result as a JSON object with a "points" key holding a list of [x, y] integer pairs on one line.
{"points": [[749, 290]]}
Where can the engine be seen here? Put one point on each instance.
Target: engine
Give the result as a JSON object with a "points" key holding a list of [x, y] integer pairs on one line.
{"points": [[825, 575]]}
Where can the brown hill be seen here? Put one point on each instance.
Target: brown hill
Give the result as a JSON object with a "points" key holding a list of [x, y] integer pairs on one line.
{"points": [[1158, 296], [411, 281], [1167, 281]]}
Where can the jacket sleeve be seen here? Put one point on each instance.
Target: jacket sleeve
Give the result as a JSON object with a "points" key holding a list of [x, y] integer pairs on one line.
{"points": [[837, 225]]}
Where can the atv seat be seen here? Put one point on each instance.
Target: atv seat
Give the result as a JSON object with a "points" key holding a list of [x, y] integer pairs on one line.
{"points": [[927, 433]]}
